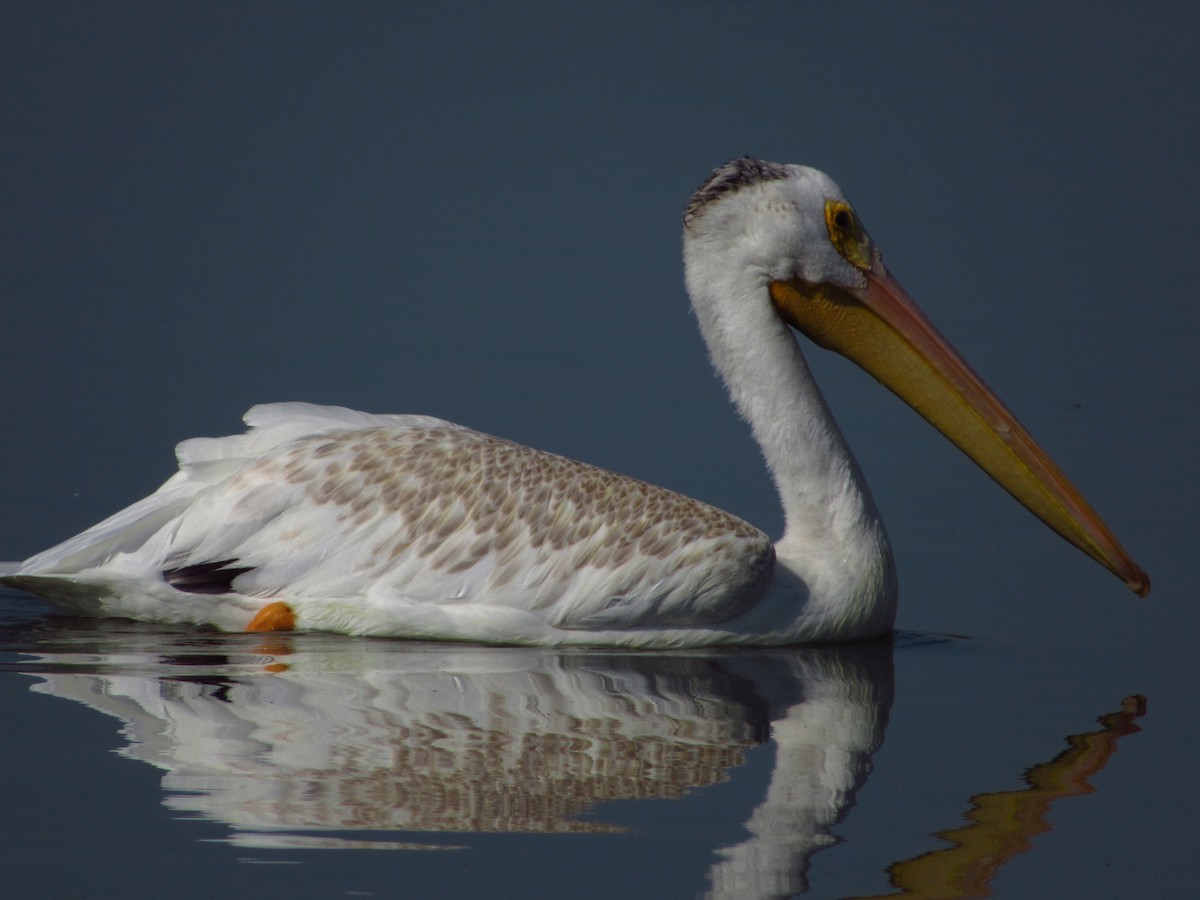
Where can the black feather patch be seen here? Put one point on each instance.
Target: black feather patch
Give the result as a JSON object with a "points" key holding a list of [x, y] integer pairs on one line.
{"points": [[735, 174], [207, 577]]}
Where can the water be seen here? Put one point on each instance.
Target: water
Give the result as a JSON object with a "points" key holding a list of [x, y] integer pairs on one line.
{"points": [[474, 213]]}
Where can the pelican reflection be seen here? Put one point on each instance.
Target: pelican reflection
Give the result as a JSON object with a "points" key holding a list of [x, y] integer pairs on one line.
{"points": [[322, 741], [301, 741]]}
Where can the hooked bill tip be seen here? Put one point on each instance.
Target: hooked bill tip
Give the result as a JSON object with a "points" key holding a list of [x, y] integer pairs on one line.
{"points": [[1141, 586]]}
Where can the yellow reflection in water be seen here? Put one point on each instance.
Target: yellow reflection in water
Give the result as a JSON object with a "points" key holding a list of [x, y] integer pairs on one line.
{"points": [[1003, 823]]}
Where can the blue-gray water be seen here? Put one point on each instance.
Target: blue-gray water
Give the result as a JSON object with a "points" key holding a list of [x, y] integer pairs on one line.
{"points": [[473, 211]]}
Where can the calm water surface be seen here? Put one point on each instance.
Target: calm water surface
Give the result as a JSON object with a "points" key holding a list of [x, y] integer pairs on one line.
{"points": [[474, 212], [717, 774]]}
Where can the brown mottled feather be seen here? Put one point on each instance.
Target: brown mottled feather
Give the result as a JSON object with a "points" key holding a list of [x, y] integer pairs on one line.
{"points": [[544, 527]]}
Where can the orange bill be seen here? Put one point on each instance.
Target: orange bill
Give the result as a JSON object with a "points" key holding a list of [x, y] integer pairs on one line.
{"points": [[880, 328]]}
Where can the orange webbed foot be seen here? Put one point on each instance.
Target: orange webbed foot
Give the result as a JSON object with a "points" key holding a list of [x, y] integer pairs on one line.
{"points": [[277, 616]]}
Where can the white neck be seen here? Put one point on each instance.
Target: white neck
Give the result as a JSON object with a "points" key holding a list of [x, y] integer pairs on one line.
{"points": [[833, 540]]}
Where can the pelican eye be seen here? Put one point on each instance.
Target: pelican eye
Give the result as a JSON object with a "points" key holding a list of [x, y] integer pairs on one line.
{"points": [[847, 235]]}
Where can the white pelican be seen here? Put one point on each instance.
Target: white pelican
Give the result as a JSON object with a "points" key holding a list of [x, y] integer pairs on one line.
{"points": [[327, 519]]}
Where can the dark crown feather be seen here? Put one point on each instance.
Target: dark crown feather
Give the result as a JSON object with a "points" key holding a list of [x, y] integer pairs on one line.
{"points": [[734, 175]]}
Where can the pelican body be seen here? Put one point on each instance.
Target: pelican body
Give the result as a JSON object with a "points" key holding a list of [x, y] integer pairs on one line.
{"points": [[327, 519]]}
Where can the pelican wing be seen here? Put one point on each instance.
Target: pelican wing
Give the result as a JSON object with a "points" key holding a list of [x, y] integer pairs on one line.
{"points": [[408, 512]]}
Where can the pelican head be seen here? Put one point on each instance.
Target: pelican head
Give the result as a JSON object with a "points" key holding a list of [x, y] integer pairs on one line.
{"points": [[783, 240]]}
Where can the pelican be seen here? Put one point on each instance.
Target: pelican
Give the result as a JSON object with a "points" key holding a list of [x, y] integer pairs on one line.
{"points": [[322, 518]]}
